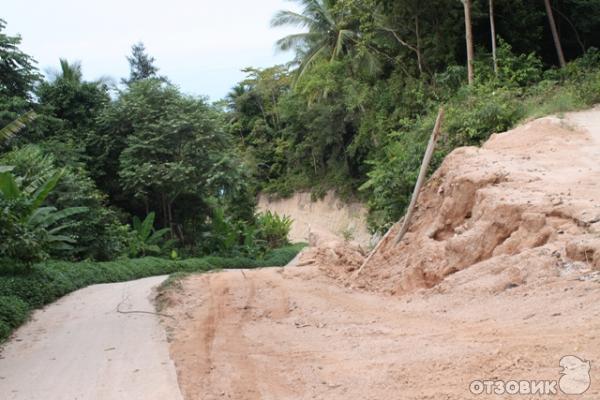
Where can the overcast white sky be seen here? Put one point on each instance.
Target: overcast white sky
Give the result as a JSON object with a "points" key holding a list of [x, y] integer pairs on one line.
{"points": [[200, 45]]}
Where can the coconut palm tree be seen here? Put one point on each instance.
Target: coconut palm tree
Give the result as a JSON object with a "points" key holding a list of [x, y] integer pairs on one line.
{"points": [[330, 33], [70, 72]]}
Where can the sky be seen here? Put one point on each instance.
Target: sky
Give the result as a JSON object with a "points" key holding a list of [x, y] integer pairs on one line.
{"points": [[200, 45]]}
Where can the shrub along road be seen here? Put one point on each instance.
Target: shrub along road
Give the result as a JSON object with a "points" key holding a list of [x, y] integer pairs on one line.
{"points": [[26, 290]]}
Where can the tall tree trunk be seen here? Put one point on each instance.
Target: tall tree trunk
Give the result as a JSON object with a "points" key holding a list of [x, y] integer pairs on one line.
{"points": [[559, 50], [469, 39], [493, 30], [163, 203], [170, 216], [419, 55]]}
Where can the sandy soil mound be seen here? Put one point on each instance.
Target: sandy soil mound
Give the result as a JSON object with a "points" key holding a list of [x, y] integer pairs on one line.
{"points": [[523, 209], [328, 217], [497, 280]]}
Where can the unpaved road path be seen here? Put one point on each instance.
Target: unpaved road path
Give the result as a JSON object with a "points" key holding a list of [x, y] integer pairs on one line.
{"points": [[291, 333], [81, 348]]}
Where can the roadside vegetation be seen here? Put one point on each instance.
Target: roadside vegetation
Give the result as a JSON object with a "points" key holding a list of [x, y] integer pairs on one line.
{"points": [[95, 174], [23, 291]]}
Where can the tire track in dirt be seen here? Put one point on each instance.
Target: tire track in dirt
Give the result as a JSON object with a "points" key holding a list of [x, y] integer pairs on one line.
{"points": [[220, 332], [293, 334]]}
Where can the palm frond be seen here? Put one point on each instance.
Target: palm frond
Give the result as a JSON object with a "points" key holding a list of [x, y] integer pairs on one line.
{"points": [[158, 235], [284, 17], [40, 194], [343, 36], [147, 226], [64, 213], [369, 63], [8, 186], [294, 41], [320, 9], [16, 126], [61, 238], [70, 71], [309, 60]]}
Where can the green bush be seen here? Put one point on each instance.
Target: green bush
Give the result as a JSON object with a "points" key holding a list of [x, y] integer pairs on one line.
{"points": [[30, 231], [98, 232], [475, 113], [48, 281], [517, 70], [13, 311], [145, 240], [393, 175], [273, 229]]}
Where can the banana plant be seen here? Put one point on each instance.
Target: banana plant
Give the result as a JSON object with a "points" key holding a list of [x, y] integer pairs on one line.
{"points": [[25, 205], [146, 240]]}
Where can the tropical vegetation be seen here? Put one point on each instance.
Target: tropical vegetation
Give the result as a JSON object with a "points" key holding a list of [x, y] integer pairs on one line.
{"points": [[94, 173]]}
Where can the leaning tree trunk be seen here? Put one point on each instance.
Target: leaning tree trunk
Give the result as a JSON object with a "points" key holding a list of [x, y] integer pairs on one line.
{"points": [[469, 39], [559, 50], [493, 30]]}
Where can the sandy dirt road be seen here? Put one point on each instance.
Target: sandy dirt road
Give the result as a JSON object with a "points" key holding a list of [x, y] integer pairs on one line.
{"points": [[291, 333], [81, 348]]}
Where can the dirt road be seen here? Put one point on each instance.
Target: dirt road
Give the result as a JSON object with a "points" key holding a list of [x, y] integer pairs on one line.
{"points": [[292, 334], [81, 348]]}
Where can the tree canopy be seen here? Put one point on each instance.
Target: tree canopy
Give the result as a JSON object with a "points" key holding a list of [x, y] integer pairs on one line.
{"points": [[164, 173]]}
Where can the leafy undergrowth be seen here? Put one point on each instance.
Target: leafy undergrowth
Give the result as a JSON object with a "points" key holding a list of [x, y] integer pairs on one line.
{"points": [[48, 281]]}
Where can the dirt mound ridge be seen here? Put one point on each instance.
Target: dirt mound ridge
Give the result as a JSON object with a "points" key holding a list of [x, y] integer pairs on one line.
{"points": [[524, 208]]}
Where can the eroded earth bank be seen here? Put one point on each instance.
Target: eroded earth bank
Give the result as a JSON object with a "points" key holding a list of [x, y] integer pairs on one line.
{"points": [[497, 279]]}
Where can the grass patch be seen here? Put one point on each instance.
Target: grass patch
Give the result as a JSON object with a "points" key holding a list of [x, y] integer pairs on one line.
{"points": [[20, 293]]}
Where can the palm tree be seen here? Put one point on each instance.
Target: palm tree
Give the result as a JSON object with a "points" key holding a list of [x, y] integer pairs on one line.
{"points": [[329, 34], [70, 72], [235, 94]]}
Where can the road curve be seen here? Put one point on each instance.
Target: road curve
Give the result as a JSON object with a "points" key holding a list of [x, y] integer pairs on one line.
{"points": [[81, 348]]}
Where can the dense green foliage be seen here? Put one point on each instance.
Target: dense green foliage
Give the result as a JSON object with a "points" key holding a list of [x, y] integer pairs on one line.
{"points": [[146, 151], [30, 231], [96, 171], [354, 111], [146, 240], [98, 231], [46, 282]]}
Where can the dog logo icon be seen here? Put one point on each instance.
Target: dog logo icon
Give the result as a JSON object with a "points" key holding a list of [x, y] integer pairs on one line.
{"points": [[575, 375]]}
